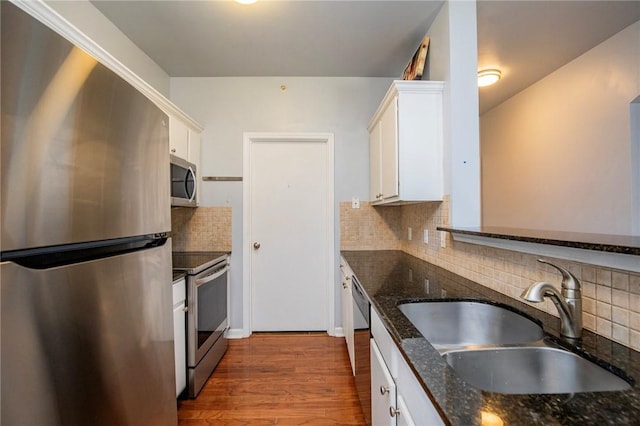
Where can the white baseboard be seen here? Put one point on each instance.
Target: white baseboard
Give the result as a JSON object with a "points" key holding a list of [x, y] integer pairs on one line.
{"points": [[240, 333], [237, 333]]}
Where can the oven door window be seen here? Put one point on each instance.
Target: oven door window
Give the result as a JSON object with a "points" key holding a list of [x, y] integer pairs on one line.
{"points": [[212, 309]]}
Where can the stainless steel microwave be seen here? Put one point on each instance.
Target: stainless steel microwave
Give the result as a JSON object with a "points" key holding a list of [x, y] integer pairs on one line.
{"points": [[183, 183]]}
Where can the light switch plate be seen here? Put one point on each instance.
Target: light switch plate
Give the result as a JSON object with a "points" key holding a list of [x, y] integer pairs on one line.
{"points": [[355, 203], [425, 236], [409, 232], [443, 239]]}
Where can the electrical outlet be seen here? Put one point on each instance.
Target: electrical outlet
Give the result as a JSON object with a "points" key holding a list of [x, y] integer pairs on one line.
{"points": [[426, 285], [425, 237], [355, 203], [443, 239], [443, 293], [409, 232]]}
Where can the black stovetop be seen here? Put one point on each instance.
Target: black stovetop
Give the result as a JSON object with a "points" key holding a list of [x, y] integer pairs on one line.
{"points": [[193, 262]]}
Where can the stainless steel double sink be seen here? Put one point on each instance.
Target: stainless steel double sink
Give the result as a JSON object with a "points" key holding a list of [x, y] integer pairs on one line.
{"points": [[499, 350]]}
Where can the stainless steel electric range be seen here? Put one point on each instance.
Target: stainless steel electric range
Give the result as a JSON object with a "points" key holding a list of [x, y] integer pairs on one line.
{"points": [[207, 312]]}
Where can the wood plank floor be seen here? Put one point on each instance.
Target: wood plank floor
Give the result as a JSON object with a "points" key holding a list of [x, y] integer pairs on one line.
{"points": [[283, 378]]}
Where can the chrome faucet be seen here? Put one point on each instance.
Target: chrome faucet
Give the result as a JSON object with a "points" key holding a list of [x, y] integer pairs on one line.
{"points": [[569, 302]]}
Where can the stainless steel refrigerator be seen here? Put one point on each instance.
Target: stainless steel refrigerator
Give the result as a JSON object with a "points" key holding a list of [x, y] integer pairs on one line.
{"points": [[86, 309]]}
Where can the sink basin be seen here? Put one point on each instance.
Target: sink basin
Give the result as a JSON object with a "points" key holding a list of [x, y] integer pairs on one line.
{"points": [[532, 370], [465, 323]]}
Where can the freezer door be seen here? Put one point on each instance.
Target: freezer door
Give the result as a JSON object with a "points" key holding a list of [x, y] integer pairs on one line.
{"points": [[90, 343], [84, 156]]}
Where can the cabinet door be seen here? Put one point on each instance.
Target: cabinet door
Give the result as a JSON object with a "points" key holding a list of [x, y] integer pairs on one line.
{"points": [[374, 163], [383, 390], [178, 138], [347, 319], [180, 347], [403, 416], [389, 150]]}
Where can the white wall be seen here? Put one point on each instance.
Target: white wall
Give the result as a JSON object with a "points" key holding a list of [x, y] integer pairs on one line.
{"points": [[84, 16], [229, 106], [557, 155]]}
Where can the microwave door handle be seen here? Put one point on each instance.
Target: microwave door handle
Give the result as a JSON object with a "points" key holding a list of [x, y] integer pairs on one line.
{"points": [[211, 277], [195, 184]]}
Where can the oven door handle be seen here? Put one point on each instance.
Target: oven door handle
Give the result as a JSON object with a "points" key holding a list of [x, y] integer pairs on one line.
{"points": [[212, 276]]}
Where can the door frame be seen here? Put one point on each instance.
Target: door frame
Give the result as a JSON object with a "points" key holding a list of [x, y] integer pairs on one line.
{"points": [[250, 138]]}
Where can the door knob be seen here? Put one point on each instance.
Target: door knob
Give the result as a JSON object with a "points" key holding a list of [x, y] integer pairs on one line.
{"points": [[256, 245]]}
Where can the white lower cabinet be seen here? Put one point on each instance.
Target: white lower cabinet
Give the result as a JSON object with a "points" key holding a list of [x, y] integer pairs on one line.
{"points": [[404, 415], [406, 401], [347, 311], [383, 390], [179, 334]]}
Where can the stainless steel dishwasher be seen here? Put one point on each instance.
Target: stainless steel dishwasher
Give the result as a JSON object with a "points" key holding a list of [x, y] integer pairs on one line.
{"points": [[362, 339]]}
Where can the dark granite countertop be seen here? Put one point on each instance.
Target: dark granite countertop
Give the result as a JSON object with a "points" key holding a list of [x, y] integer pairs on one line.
{"points": [[194, 262], [623, 244], [391, 276]]}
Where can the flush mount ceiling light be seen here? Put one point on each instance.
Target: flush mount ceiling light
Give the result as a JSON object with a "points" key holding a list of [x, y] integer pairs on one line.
{"points": [[488, 77], [246, 1]]}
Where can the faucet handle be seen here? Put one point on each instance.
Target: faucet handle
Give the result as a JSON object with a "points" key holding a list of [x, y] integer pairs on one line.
{"points": [[569, 281]]}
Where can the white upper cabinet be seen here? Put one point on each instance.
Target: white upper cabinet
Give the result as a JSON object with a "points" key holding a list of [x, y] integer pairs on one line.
{"points": [[375, 165], [178, 138], [184, 141], [406, 144]]}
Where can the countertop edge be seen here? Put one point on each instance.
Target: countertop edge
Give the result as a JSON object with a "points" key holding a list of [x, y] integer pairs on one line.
{"points": [[629, 245]]}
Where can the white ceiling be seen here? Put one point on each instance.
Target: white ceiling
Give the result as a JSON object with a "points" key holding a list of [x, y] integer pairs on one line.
{"points": [[525, 39]]}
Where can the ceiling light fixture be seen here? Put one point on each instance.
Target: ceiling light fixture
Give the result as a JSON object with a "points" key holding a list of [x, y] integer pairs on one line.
{"points": [[488, 77], [246, 1]]}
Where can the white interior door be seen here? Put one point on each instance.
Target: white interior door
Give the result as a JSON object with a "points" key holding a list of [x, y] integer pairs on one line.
{"points": [[290, 233]]}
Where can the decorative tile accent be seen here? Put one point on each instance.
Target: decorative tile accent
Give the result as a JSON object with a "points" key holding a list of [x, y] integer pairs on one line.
{"points": [[611, 298], [201, 229]]}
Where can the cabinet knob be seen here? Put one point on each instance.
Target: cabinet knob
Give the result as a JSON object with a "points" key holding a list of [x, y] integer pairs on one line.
{"points": [[393, 411], [384, 390], [185, 309], [256, 245]]}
